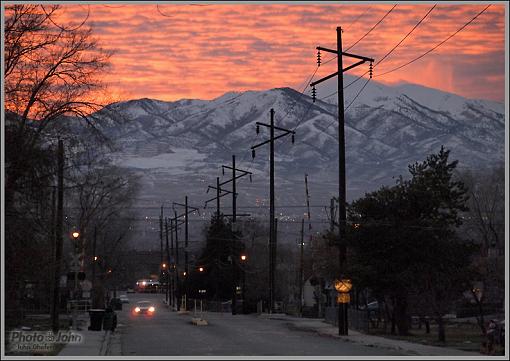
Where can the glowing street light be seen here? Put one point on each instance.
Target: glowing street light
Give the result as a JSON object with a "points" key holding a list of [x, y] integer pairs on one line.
{"points": [[201, 269], [75, 234], [243, 257]]}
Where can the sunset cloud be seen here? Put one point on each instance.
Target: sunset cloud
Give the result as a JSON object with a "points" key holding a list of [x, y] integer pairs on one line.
{"points": [[205, 51]]}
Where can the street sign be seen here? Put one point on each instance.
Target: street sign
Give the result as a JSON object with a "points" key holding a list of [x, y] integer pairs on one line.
{"points": [[343, 298]]}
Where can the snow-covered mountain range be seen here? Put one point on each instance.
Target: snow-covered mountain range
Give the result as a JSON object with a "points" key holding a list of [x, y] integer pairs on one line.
{"points": [[179, 146]]}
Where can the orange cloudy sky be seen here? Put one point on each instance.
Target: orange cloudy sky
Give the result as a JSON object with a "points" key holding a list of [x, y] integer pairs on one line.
{"points": [[203, 51]]}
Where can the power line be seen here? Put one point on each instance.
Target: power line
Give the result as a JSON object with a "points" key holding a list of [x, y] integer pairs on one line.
{"points": [[359, 16], [405, 37], [48, 16], [357, 95], [437, 46], [384, 57], [373, 27]]}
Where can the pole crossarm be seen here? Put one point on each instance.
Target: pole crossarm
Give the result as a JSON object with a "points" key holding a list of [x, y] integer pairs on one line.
{"points": [[354, 65], [213, 199], [328, 50], [222, 190], [183, 205], [358, 57], [275, 127], [269, 140], [172, 227], [237, 177], [324, 79], [238, 215]]}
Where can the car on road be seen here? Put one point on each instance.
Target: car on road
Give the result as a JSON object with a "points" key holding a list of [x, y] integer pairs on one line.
{"points": [[144, 307], [130, 290], [124, 298]]}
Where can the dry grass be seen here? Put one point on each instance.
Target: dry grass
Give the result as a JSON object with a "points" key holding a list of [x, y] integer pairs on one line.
{"points": [[462, 336]]}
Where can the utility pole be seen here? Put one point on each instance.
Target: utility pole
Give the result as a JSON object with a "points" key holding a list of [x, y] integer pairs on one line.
{"points": [[233, 255], [94, 260], [177, 286], [301, 266], [161, 238], [342, 316], [187, 211], [220, 192], [59, 229], [167, 295], [332, 215], [272, 233], [172, 289]]}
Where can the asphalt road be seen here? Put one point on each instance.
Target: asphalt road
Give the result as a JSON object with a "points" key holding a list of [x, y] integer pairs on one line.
{"points": [[167, 333]]}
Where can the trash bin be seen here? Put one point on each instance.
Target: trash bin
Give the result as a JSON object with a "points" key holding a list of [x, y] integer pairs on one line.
{"points": [[109, 320], [96, 319]]}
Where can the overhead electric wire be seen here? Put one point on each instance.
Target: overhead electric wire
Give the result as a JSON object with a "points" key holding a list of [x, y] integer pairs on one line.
{"points": [[436, 46], [372, 28], [357, 18], [387, 54], [405, 37], [48, 16]]}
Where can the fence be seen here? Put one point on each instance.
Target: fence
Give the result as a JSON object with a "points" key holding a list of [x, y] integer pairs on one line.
{"points": [[359, 320], [78, 305]]}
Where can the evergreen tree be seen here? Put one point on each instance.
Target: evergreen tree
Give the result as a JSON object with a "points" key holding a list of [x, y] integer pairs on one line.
{"points": [[405, 241], [216, 261]]}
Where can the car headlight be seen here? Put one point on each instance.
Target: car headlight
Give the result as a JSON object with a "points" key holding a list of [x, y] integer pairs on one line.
{"points": [[152, 309], [137, 309]]}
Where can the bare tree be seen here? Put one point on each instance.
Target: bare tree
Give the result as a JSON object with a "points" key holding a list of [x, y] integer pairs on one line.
{"points": [[485, 223], [51, 71]]}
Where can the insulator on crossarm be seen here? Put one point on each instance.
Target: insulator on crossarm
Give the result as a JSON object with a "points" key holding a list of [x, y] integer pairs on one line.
{"points": [[314, 93], [371, 70], [258, 129], [250, 179], [292, 137], [318, 58], [223, 170], [253, 153]]}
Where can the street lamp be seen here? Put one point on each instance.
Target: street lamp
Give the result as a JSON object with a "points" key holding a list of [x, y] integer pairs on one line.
{"points": [[201, 269], [343, 287], [76, 236], [243, 259]]}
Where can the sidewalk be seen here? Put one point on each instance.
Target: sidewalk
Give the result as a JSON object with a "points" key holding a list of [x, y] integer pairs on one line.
{"points": [[94, 343], [326, 329]]}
